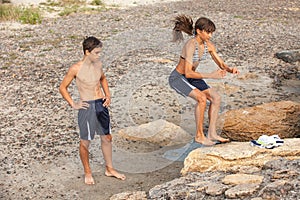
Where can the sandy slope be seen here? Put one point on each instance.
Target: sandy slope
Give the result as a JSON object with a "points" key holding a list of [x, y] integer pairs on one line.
{"points": [[122, 3], [125, 3]]}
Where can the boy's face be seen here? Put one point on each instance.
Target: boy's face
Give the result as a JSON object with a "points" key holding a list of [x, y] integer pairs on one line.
{"points": [[204, 35], [94, 55]]}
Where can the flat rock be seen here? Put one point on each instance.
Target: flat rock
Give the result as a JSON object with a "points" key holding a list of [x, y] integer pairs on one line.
{"points": [[236, 179], [225, 157], [215, 189], [241, 190], [159, 132]]}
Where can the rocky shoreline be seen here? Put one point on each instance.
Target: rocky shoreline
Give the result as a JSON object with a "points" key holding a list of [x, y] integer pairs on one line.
{"points": [[39, 140], [278, 179]]}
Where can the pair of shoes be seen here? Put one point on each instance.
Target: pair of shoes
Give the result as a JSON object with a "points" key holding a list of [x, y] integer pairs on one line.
{"points": [[268, 142], [278, 141], [255, 143]]}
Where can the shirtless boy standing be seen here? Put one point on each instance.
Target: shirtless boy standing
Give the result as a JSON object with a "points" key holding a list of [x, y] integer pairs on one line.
{"points": [[93, 115]]}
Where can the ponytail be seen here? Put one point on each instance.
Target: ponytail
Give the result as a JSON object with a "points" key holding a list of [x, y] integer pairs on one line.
{"points": [[182, 23]]}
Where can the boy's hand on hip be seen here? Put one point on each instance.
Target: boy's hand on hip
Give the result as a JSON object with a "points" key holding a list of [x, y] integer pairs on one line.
{"points": [[106, 102], [80, 105]]}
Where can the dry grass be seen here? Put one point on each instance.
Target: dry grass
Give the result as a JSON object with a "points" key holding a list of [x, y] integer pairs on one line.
{"points": [[27, 15]]}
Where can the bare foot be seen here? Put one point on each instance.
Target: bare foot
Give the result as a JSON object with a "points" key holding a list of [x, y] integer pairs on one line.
{"points": [[219, 139], [113, 173], [88, 179], [205, 141]]}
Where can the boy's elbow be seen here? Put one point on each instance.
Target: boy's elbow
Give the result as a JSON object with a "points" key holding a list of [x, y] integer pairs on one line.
{"points": [[189, 75], [61, 89], [194, 75]]}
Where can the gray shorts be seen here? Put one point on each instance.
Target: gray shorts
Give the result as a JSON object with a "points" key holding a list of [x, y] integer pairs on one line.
{"points": [[94, 120], [184, 86]]}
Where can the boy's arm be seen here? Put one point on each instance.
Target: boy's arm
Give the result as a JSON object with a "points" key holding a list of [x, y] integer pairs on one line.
{"points": [[190, 73], [63, 89], [218, 60], [104, 84]]}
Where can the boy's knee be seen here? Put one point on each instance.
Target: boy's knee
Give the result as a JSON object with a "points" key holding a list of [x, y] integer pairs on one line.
{"points": [[106, 138], [201, 98], [217, 97], [85, 143]]}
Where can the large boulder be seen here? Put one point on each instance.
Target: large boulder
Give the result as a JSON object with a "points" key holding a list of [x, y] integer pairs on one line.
{"points": [[275, 118], [158, 132], [226, 156]]}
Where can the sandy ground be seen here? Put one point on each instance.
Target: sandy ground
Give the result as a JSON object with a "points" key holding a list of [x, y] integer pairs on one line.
{"points": [[40, 159], [57, 177], [127, 3], [122, 3]]}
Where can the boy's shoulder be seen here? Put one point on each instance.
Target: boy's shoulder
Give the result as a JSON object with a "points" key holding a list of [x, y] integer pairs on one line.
{"points": [[77, 64], [74, 68], [191, 42], [98, 65]]}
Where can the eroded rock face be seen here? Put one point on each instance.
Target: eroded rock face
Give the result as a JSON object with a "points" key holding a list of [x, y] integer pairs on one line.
{"points": [[236, 171], [226, 156], [277, 179], [159, 132], [276, 118]]}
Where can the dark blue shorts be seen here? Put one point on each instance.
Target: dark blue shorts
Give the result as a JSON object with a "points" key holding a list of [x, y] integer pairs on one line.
{"points": [[200, 84], [184, 86], [94, 120]]}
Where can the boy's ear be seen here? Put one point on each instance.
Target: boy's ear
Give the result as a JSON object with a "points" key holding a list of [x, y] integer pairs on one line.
{"points": [[87, 52]]}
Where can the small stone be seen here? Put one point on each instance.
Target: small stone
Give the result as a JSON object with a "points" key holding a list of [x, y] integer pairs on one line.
{"points": [[241, 190], [215, 189]]}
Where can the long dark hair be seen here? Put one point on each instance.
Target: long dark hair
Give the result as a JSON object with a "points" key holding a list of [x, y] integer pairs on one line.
{"points": [[184, 23]]}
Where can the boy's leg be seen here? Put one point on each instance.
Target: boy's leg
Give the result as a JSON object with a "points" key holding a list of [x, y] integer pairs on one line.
{"points": [[84, 156], [200, 97], [214, 107], [106, 146]]}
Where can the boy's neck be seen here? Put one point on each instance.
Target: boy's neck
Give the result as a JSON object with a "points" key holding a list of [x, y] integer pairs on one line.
{"points": [[87, 61], [199, 40]]}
